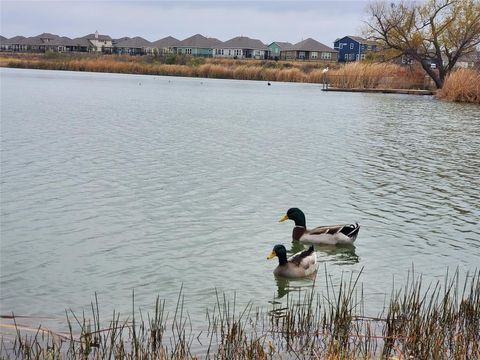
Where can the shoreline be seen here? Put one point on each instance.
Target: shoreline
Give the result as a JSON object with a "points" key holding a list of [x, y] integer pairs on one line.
{"points": [[385, 78]]}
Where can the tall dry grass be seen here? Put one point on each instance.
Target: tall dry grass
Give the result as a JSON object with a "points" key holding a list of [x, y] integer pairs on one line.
{"points": [[462, 85], [353, 75], [365, 75]]}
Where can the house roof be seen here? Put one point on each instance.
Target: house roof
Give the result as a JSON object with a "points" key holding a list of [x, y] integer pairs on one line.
{"points": [[100, 37], [363, 41], [311, 45], [168, 41], [136, 42], [66, 41], [41, 39], [46, 36], [116, 41], [283, 45], [358, 39], [82, 41], [14, 40], [199, 41], [243, 42], [2, 38]]}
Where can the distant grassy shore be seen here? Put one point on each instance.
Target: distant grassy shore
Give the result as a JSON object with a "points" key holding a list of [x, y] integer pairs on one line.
{"points": [[438, 321], [363, 75]]}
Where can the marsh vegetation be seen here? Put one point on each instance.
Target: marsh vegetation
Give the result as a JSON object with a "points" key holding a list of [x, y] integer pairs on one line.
{"points": [[440, 320]]}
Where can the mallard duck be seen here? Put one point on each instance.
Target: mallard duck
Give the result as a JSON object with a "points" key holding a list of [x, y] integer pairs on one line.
{"points": [[327, 235], [302, 264]]}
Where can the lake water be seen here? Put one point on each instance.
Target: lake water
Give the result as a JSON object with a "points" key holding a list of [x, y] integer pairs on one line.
{"points": [[113, 183]]}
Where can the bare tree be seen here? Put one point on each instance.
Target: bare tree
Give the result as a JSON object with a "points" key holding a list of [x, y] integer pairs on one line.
{"points": [[433, 31]]}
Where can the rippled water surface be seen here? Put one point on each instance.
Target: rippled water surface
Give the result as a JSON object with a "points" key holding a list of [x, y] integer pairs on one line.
{"points": [[111, 183]]}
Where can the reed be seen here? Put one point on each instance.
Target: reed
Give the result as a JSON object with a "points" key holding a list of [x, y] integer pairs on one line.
{"points": [[351, 75], [365, 75], [462, 85], [438, 321]]}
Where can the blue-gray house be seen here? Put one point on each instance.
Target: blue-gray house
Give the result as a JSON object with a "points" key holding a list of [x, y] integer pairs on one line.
{"points": [[353, 48]]}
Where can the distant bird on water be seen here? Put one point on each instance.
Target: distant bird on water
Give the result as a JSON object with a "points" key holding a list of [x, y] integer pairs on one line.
{"points": [[268, 83]]}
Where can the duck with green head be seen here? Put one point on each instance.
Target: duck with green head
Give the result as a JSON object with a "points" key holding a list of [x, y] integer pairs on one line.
{"points": [[302, 264], [323, 235]]}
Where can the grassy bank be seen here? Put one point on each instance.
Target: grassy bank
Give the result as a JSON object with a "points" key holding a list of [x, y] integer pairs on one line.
{"points": [[438, 321], [462, 85], [378, 76], [352, 75]]}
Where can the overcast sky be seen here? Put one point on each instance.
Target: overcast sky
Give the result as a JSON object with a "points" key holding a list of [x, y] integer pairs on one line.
{"points": [[267, 20]]}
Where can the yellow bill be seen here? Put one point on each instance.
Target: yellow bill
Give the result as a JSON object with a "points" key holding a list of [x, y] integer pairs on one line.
{"points": [[284, 217], [272, 255]]}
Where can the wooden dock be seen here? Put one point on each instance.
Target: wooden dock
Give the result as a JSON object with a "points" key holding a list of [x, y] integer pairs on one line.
{"points": [[383, 91]]}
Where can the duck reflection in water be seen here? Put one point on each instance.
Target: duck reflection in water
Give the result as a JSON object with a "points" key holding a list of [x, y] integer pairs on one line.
{"points": [[286, 285], [339, 254]]}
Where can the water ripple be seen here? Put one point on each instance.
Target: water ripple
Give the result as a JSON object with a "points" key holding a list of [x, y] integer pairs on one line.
{"points": [[160, 186]]}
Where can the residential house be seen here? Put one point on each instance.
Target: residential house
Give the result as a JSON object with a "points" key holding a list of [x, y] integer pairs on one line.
{"points": [[276, 47], [353, 48], [100, 43], [242, 47], [39, 43], [3, 43], [133, 46], [167, 45], [198, 45], [83, 45], [17, 43], [310, 49], [467, 61]]}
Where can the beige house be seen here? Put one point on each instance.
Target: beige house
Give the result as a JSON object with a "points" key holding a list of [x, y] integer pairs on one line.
{"points": [[241, 47], [100, 43]]}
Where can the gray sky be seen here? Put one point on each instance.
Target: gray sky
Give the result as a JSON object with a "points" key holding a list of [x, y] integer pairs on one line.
{"points": [[267, 20]]}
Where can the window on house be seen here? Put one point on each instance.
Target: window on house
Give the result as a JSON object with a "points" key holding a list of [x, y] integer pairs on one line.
{"points": [[346, 57], [301, 54], [362, 57], [314, 55], [188, 51], [326, 55], [351, 46]]}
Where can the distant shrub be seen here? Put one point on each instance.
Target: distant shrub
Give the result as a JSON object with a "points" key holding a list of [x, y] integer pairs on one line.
{"points": [[196, 61]]}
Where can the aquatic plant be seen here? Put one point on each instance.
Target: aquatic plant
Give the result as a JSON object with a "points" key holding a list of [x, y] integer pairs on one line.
{"points": [[436, 322]]}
